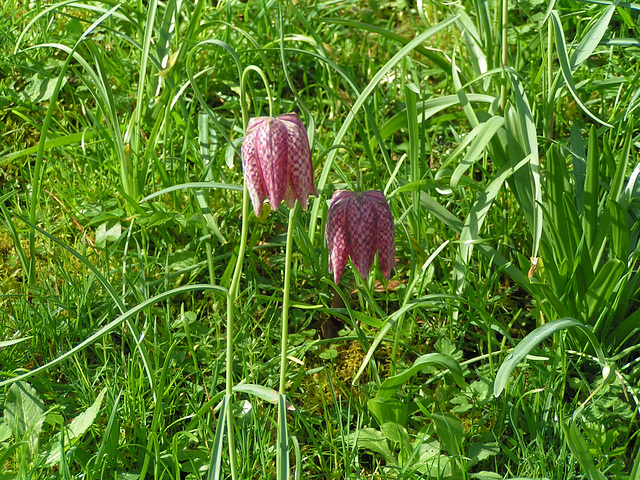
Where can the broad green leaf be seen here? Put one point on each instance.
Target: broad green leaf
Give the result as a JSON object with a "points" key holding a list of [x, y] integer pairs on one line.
{"points": [[630, 188], [591, 187], [531, 341], [265, 393], [24, 413], [565, 68], [580, 450], [592, 38], [40, 88], [5, 431], [486, 475], [372, 440], [391, 384], [481, 451], [624, 330], [571, 230], [622, 162], [579, 163], [619, 232], [395, 433], [108, 232], [388, 410], [75, 429], [450, 432], [435, 465]]}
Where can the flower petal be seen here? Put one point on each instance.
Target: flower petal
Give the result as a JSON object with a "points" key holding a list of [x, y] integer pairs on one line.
{"points": [[341, 195], [385, 235], [337, 239], [299, 167], [361, 232], [252, 170], [271, 151], [292, 118]]}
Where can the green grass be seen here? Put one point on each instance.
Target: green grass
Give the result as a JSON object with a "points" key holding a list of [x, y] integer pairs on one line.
{"points": [[120, 218]]}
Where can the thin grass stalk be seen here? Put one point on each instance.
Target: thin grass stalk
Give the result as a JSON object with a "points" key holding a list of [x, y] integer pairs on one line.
{"points": [[134, 176]]}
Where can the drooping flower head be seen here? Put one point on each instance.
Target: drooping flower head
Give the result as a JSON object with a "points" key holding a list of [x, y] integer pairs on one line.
{"points": [[276, 161], [359, 224]]}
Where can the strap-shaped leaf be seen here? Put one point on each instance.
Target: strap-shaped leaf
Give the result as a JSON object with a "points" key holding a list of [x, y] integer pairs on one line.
{"points": [[531, 341], [565, 68], [580, 449], [391, 384], [364, 95], [592, 38], [478, 139], [282, 461], [218, 441], [602, 287]]}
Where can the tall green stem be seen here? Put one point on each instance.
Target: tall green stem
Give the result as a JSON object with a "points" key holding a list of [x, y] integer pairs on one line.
{"points": [[285, 299], [282, 451]]}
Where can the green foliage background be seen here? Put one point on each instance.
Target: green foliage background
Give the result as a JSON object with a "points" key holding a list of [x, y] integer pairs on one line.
{"points": [[503, 135]]}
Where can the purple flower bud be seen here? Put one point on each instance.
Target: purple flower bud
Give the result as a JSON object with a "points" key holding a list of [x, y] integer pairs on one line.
{"points": [[359, 225], [276, 160]]}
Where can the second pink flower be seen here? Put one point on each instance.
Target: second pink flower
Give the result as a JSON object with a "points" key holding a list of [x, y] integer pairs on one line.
{"points": [[359, 224]]}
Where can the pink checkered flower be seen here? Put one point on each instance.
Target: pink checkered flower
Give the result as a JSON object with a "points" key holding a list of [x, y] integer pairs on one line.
{"points": [[359, 224], [276, 160]]}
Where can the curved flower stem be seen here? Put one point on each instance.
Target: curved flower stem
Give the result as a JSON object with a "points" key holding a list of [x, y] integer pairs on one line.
{"points": [[243, 100], [285, 299], [235, 281], [237, 273]]}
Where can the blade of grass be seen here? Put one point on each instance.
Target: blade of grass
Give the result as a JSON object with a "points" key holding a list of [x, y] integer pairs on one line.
{"points": [[124, 317], [592, 38], [531, 341], [565, 68], [322, 181]]}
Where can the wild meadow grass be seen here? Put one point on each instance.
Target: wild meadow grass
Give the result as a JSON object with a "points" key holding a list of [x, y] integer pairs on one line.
{"points": [[140, 335]]}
